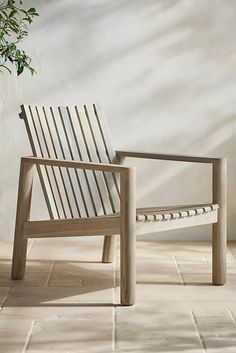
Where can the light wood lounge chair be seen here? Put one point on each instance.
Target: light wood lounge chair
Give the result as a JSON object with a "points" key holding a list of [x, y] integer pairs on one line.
{"points": [[88, 192]]}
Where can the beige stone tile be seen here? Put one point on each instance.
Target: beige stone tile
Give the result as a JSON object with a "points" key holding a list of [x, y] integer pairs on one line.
{"points": [[34, 279], [93, 275], [158, 278], [195, 268], [31, 266], [49, 296], [150, 249], [197, 278], [206, 318], [188, 259], [197, 292], [154, 270], [72, 336], [81, 297], [146, 329], [47, 312], [13, 334], [51, 303], [67, 249], [3, 294], [217, 330]]}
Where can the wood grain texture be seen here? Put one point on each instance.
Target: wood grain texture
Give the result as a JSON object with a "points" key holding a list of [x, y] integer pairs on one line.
{"points": [[108, 249], [22, 215], [219, 229], [76, 133], [72, 227], [165, 157], [128, 237], [114, 168], [88, 192]]}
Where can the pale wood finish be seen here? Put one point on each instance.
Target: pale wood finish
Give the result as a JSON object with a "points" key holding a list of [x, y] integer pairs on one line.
{"points": [[165, 157], [89, 192], [102, 167], [219, 229], [72, 227], [108, 249], [152, 226], [218, 218], [22, 216], [128, 237], [73, 134]]}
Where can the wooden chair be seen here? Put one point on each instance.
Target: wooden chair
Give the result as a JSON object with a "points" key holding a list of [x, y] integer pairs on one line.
{"points": [[88, 192]]}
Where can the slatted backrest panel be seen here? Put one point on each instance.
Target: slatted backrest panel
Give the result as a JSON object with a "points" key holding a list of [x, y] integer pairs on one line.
{"points": [[73, 133]]}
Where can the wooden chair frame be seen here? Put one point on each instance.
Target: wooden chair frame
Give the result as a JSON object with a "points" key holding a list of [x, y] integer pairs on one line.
{"points": [[88, 191], [219, 196], [123, 223]]}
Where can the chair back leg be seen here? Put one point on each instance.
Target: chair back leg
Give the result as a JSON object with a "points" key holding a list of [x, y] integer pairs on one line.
{"points": [[108, 248], [22, 215], [219, 229]]}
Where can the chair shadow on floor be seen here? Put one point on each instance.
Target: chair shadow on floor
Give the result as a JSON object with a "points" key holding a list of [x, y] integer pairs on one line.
{"points": [[72, 284]]}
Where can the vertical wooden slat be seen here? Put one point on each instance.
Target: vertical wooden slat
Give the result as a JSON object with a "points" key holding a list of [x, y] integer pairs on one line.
{"points": [[91, 174], [58, 152], [46, 171], [52, 141], [73, 134], [102, 156], [45, 187], [49, 170], [76, 175], [103, 126], [82, 175], [60, 134], [93, 157], [57, 176]]}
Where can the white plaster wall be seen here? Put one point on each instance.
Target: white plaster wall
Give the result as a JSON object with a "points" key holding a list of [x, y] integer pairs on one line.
{"points": [[165, 72]]}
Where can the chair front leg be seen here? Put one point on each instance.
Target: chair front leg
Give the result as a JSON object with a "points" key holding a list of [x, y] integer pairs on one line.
{"points": [[22, 215], [219, 229], [128, 238]]}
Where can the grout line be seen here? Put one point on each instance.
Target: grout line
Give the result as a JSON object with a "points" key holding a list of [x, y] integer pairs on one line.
{"points": [[5, 298], [114, 301], [197, 331], [231, 316], [49, 274], [178, 270], [27, 341]]}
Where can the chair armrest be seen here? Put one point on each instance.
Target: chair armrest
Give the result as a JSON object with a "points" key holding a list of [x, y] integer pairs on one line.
{"points": [[166, 157], [113, 168]]}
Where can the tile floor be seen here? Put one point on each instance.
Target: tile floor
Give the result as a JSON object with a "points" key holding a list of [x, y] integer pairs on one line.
{"points": [[69, 300]]}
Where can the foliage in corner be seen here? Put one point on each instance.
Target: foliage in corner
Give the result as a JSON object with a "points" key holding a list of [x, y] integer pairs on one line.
{"points": [[14, 26]]}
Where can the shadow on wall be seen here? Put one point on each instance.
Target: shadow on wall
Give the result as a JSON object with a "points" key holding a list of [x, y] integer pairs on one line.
{"points": [[164, 70]]}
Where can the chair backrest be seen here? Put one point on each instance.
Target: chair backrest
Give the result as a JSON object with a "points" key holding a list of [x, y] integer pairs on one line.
{"points": [[73, 133]]}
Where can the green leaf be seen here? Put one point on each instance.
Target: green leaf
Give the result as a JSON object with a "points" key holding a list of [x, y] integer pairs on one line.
{"points": [[20, 69], [12, 13], [14, 24]]}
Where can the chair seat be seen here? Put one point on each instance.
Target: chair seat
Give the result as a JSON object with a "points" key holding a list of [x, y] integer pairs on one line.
{"points": [[173, 212]]}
